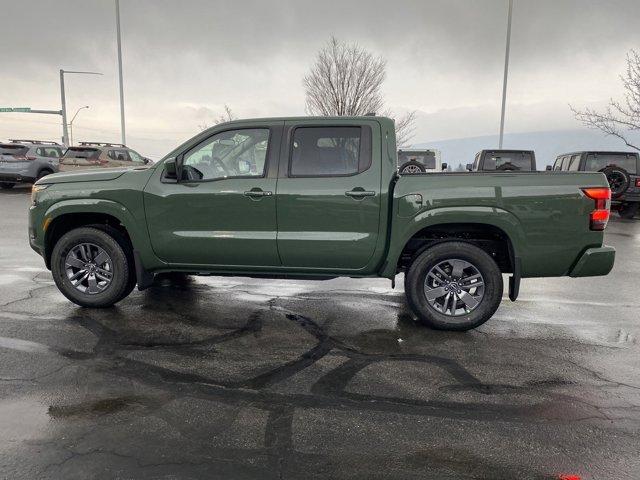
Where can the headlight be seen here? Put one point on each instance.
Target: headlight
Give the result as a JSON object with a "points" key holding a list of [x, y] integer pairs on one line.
{"points": [[35, 190]]}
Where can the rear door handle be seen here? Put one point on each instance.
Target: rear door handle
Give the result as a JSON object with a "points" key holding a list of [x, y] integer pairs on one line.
{"points": [[257, 193], [358, 193]]}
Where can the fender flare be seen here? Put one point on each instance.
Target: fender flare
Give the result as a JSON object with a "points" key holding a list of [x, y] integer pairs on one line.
{"points": [[137, 233], [404, 229]]}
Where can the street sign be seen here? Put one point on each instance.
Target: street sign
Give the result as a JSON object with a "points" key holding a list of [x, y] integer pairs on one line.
{"points": [[17, 109]]}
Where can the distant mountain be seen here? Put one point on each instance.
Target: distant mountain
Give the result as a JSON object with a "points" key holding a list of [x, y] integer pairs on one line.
{"points": [[547, 145]]}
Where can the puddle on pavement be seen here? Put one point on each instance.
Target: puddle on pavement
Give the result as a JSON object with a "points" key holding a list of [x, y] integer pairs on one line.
{"points": [[99, 407]]}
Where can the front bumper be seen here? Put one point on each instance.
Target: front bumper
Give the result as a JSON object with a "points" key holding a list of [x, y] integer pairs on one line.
{"points": [[594, 262]]}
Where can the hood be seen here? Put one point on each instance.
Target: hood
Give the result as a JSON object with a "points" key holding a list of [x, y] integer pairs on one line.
{"points": [[87, 175]]}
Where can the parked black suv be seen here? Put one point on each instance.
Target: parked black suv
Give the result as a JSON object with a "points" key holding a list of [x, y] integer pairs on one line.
{"points": [[503, 161], [622, 170]]}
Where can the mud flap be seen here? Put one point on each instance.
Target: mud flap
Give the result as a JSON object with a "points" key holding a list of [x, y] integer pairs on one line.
{"points": [[144, 278], [514, 280]]}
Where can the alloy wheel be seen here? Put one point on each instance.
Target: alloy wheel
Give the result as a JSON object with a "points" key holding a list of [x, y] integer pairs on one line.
{"points": [[454, 287], [89, 268]]}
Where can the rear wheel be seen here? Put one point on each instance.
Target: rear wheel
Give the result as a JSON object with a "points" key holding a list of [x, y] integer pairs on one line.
{"points": [[412, 167], [629, 210], [454, 286], [6, 185], [90, 267]]}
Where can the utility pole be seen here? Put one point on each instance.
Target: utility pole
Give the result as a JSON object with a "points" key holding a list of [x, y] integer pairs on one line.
{"points": [[122, 129], [506, 73], [71, 124], [63, 103], [65, 133]]}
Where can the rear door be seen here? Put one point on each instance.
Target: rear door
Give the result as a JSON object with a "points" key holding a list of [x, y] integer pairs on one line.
{"points": [[328, 194]]}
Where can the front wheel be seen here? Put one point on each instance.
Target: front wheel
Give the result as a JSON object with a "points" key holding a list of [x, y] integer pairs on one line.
{"points": [[90, 268], [454, 286]]}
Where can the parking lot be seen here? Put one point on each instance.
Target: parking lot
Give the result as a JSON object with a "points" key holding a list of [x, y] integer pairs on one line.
{"points": [[222, 377]]}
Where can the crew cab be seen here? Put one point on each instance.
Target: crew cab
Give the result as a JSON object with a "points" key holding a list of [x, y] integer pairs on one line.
{"points": [[318, 198], [503, 161]]}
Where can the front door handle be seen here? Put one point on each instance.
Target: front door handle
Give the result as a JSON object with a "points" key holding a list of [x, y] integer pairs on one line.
{"points": [[256, 193], [359, 193]]}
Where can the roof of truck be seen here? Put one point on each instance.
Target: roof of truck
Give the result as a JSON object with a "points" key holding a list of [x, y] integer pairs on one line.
{"points": [[597, 152], [296, 119]]}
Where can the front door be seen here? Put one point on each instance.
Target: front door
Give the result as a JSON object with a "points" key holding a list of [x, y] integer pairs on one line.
{"points": [[329, 195], [223, 210]]}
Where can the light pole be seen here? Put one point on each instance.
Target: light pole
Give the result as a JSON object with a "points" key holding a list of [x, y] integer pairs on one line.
{"points": [[506, 73], [71, 124], [65, 133], [124, 142]]}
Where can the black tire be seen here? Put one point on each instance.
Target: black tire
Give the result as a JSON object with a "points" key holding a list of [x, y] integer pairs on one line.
{"points": [[629, 210], [120, 267], [618, 178], [442, 252], [43, 173], [6, 185], [412, 168]]}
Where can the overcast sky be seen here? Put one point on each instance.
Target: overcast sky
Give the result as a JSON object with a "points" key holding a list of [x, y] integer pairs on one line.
{"points": [[183, 60]]}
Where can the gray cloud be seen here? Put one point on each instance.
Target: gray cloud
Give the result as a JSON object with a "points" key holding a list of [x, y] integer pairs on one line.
{"points": [[185, 59]]}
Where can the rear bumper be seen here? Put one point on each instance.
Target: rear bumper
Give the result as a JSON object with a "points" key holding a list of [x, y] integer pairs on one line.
{"points": [[594, 262]]}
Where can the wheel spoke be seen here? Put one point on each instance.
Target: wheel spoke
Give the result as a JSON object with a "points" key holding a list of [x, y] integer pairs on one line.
{"points": [[442, 272], [470, 277], [78, 274], [435, 293], [79, 281], [468, 299], [93, 285], [457, 267], [74, 262], [472, 285], [101, 257]]}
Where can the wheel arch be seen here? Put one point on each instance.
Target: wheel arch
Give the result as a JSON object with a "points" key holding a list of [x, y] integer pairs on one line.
{"points": [[65, 216], [496, 231]]}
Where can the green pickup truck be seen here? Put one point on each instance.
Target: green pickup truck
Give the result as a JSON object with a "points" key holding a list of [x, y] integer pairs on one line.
{"points": [[318, 198]]}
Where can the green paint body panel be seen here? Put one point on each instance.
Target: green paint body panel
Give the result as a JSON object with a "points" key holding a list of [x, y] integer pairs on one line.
{"points": [[308, 226]]}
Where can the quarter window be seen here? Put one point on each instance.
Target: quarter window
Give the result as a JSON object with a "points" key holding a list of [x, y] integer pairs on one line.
{"points": [[234, 153], [330, 151]]}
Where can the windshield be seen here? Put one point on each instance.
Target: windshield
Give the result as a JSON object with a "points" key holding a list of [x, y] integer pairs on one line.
{"points": [[503, 161], [597, 162], [15, 150], [80, 152], [426, 158]]}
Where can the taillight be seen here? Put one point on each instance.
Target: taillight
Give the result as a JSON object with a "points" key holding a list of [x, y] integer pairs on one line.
{"points": [[599, 217], [638, 182]]}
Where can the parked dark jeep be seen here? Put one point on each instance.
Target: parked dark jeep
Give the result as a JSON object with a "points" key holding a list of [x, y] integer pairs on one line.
{"points": [[503, 161], [622, 170]]}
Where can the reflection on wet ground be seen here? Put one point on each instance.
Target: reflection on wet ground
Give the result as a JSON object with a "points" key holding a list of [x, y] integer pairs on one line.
{"points": [[238, 378]]}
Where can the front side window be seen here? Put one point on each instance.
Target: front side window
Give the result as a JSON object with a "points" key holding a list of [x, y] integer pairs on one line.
{"points": [[329, 151], [136, 157], [575, 163], [234, 153]]}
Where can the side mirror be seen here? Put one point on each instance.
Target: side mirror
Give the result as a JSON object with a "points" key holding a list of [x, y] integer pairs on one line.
{"points": [[549, 168], [444, 166], [470, 167], [171, 169]]}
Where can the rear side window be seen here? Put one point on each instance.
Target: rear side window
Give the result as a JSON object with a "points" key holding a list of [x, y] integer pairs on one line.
{"points": [[49, 152], [507, 161], [81, 152], [574, 164], [597, 162], [121, 155], [330, 151], [15, 150]]}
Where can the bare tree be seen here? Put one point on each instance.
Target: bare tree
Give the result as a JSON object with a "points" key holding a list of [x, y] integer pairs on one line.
{"points": [[227, 116], [346, 80], [620, 118]]}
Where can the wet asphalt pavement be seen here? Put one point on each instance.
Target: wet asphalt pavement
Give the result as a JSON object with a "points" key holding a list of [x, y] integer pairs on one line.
{"points": [[237, 378]]}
